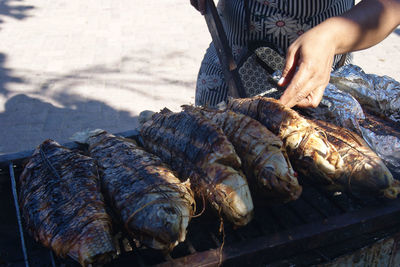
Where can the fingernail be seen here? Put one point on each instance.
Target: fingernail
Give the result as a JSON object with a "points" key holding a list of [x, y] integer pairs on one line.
{"points": [[281, 80]]}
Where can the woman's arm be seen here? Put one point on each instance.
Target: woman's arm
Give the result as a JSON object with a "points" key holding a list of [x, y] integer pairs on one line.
{"points": [[365, 25]]}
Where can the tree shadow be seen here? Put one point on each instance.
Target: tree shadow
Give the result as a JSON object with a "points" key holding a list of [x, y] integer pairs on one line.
{"points": [[56, 105], [6, 76], [27, 121], [14, 9], [130, 73]]}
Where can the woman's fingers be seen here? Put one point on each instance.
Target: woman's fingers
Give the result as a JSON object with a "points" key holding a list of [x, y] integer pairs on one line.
{"points": [[299, 88], [307, 87], [313, 99], [312, 54], [291, 62]]}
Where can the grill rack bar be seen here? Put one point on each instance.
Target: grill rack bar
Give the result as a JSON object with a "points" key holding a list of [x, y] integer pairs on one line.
{"points": [[21, 232]]}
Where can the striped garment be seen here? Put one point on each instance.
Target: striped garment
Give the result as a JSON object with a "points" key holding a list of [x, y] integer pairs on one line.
{"points": [[277, 21]]}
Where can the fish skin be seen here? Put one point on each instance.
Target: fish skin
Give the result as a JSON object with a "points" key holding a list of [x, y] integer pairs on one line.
{"points": [[264, 161], [364, 171], [309, 151], [197, 148], [62, 205], [154, 206]]}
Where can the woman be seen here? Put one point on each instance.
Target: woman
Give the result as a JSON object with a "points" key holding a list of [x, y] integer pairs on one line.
{"points": [[315, 34]]}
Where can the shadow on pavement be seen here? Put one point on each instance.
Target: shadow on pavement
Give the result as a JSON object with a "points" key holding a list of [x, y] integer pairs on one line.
{"points": [[56, 105], [6, 76], [134, 73], [27, 121], [17, 10], [14, 9]]}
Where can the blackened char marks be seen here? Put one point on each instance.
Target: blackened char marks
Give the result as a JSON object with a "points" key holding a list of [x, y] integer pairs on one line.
{"points": [[200, 151], [61, 203], [150, 201]]}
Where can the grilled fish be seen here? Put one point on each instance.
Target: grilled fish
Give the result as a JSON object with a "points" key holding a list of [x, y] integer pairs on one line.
{"points": [[197, 148], [342, 109], [62, 205], [152, 203], [364, 170], [309, 151], [264, 161]]}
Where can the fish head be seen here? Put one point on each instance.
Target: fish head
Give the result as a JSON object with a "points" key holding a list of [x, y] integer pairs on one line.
{"points": [[233, 195], [278, 181], [370, 177], [162, 223]]}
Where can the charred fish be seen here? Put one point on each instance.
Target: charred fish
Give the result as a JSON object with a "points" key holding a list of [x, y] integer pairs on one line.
{"points": [[62, 205], [196, 148], [154, 206], [264, 160]]}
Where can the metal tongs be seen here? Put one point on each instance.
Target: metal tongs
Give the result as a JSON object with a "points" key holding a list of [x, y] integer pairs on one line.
{"points": [[224, 52]]}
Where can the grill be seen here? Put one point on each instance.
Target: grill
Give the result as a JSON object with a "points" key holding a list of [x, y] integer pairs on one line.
{"points": [[313, 230]]}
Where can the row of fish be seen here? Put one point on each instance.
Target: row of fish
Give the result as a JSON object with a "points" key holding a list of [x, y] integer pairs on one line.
{"points": [[198, 150], [215, 154], [366, 104], [320, 151], [63, 206]]}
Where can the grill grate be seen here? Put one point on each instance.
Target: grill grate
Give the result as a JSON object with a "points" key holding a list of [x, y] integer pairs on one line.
{"points": [[310, 230]]}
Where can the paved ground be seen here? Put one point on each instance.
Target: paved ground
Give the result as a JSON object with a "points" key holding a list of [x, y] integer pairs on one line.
{"points": [[67, 66]]}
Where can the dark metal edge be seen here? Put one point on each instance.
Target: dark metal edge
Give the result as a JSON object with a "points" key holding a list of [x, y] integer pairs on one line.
{"points": [[299, 239], [18, 214]]}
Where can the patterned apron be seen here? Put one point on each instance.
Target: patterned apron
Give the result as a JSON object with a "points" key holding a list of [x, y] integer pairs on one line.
{"points": [[277, 21]]}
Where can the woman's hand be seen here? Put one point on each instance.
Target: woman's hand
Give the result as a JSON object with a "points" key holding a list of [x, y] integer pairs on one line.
{"points": [[200, 5], [309, 58], [307, 70]]}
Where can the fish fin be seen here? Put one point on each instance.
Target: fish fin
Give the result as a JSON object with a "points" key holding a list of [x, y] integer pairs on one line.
{"points": [[83, 137]]}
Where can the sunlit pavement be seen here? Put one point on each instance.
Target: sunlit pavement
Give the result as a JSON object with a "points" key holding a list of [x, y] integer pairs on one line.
{"points": [[68, 66]]}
